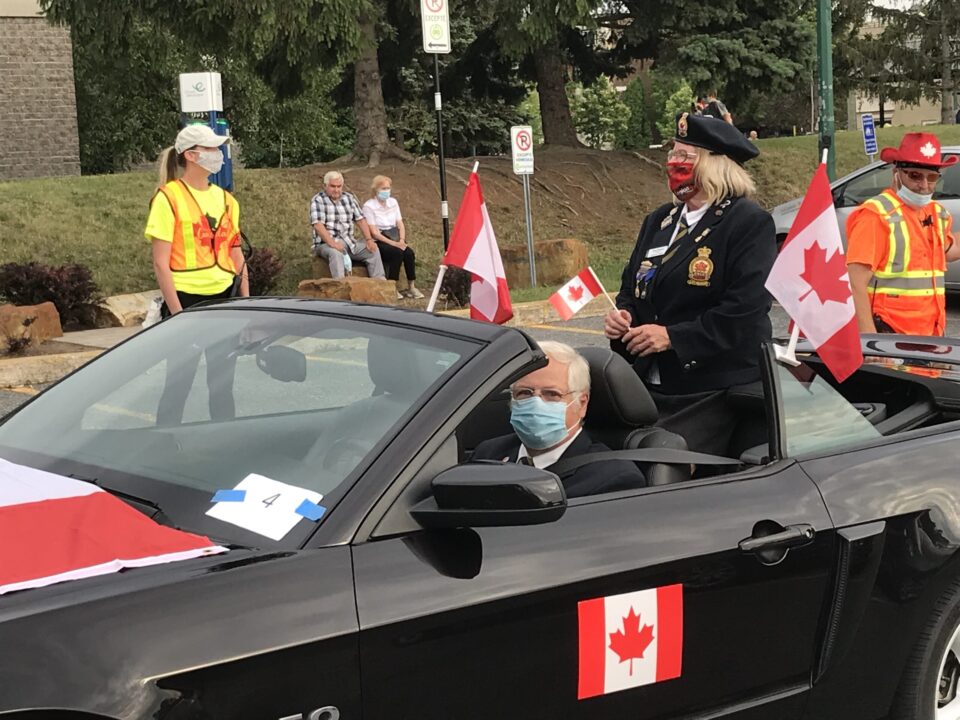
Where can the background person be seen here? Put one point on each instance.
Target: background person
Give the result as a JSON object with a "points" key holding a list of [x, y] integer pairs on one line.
{"points": [[547, 410], [194, 228], [899, 242], [712, 107], [382, 213], [693, 310], [333, 213]]}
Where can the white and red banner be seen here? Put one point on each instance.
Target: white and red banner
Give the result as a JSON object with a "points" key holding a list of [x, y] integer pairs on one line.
{"points": [[473, 247], [55, 528], [810, 280], [630, 640], [574, 296]]}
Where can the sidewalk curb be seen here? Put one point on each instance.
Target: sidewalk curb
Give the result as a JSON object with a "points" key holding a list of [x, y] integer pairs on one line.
{"points": [[538, 312], [38, 369]]}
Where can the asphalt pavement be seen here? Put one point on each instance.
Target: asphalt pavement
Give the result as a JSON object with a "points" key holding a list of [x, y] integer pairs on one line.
{"points": [[579, 331]]}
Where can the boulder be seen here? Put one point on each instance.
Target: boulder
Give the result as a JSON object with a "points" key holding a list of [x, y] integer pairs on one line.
{"points": [[124, 310], [320, 268], [354, 289], [35, 323], [557, 261]]}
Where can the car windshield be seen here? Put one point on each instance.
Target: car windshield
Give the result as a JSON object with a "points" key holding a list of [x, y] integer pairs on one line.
{"points": [[221, 400]]}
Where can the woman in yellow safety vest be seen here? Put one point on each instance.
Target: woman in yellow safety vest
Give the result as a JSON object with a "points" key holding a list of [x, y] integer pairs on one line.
{"points": [[194, 225]]}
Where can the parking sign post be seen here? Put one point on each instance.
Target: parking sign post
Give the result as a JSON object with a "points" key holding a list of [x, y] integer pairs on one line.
{"points": [[435, 21], [521, 144]]}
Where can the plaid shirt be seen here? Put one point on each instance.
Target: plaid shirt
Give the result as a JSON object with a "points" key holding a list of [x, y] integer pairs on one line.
{"points": [[338, 217]]}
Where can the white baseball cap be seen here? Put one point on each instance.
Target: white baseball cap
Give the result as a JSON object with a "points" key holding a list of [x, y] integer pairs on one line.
{"points": [[194, 135]]}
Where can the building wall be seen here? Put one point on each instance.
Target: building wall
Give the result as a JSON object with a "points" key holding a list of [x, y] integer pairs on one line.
{"points": [[38, 108]]}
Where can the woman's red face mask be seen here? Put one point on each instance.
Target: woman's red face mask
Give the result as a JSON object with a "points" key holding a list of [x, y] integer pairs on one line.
{"points": [[680, 179]]}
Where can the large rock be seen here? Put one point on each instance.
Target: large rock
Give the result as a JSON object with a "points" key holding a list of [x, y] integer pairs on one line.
{"points": [[124, 310], [320, 268], [557, 261], [33, 323], [355, 289]]}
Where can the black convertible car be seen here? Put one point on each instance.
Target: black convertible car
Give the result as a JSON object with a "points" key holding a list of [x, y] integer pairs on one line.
{"points": [[813, 574]]}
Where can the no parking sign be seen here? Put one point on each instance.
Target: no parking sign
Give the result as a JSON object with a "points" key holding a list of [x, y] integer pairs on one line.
{"points": [[521, 143]]}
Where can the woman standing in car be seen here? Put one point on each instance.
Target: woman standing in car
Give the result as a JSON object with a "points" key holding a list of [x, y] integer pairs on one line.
{"points": [[692, 308]]}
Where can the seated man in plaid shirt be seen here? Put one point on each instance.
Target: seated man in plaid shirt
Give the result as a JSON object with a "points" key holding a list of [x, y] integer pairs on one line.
{"points": [[333, 214]]}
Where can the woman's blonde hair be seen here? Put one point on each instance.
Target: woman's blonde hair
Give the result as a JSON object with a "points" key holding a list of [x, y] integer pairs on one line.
{"points": [[170, 165], [378, 180], [719, 177]]}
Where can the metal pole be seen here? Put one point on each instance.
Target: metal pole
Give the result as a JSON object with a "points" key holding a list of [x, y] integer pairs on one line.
{"points": [[526, 205], [825, 62], [438, 104]]}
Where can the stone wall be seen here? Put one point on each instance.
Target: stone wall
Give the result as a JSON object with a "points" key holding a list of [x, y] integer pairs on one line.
{"points": [[38, 109]]}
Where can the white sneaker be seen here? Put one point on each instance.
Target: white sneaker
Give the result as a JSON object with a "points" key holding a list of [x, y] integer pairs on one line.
{"points": [[414, 293], [399, 296]]}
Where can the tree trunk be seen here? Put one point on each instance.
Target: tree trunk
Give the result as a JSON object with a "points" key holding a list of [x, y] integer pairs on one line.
{"points": [[370, 114], [947, 116], [554, 107], [883, 101]]}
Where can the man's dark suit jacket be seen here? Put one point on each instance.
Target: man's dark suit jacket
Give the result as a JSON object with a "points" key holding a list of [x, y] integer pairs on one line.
{"points": [[600, 477]]}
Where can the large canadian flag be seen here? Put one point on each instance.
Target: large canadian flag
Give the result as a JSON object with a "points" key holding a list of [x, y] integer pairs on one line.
{"points": [[630, 640], [810, 280], [55, 528], [473, 247], [574, 296]]}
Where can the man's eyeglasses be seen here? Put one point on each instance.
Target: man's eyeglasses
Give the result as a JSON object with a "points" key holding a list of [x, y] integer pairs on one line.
{"points": [[547, 394], [681, 156], [932, 178]]}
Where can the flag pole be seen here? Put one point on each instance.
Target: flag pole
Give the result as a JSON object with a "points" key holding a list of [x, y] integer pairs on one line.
{"points": [[436, 288], [826, 153], [603, 289]]}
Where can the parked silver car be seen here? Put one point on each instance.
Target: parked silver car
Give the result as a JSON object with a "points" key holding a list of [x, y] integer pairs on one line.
{"points": [[871, 180]]}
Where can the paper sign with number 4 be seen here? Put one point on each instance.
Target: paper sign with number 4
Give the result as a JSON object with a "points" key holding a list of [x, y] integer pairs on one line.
{"points": [[266, 507]]}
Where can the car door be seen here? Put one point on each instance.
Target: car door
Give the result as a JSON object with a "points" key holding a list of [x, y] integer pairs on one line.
{"points": [[491, 622]]}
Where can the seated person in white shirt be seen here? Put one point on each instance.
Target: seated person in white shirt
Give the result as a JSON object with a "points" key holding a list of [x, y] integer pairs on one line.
{"points": [[546, 412], [382, 213]]}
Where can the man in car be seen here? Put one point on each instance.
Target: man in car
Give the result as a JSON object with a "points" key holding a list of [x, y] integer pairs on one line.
{"points": [[547, 410], [898, 244]]}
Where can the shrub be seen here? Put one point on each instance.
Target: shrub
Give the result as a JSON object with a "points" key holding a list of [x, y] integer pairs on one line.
{"points": [[263, 270], [69, 287]]}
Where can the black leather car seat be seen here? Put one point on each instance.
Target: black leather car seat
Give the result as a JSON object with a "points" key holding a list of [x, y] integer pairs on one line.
{"points": [[621, 414]]}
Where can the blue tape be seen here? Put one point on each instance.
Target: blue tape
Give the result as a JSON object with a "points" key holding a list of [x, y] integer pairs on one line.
{"points": [[310, 510], [229, 496]]}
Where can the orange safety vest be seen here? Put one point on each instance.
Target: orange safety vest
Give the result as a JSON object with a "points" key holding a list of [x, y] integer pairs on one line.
{"points": [[195, 245], [908, 292]]}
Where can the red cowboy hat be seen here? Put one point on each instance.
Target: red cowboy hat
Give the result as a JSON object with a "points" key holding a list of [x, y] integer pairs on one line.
{"points": [[918, 148]]}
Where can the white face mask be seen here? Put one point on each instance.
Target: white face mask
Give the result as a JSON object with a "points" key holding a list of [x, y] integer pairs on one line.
{"points": [[912, 198], [210, 160]]}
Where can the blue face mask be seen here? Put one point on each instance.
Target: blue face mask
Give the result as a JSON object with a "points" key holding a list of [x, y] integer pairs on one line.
{"points": [[383, 194], [539, 424], [913, 198]]}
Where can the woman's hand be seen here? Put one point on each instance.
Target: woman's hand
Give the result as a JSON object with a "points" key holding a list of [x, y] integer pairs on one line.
{"points": [[616, 323], [646, 340]]}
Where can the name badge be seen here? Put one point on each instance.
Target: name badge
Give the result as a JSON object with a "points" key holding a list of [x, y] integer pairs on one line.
{"points": [[657, 251]]}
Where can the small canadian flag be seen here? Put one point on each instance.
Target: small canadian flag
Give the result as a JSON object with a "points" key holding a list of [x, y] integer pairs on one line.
{"points": [[573, 296], [630, 640]]}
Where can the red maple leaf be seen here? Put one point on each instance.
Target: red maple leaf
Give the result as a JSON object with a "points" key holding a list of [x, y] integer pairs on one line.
{"points": [[632, 641], [575, 293], [825, 277]]}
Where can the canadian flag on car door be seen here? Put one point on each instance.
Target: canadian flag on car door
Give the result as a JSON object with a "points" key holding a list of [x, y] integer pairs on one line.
{"points": [[630, 640]]}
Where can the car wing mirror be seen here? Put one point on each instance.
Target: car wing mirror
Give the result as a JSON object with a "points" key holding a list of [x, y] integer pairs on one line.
{"points": [[492, 494], [283, 363]]}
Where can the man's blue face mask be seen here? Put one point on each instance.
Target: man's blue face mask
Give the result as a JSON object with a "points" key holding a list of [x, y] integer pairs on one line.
{"points": [[539, 424]]}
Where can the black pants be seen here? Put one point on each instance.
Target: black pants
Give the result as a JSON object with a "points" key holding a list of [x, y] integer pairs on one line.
{"points": [[393, 256], [182, 369]]}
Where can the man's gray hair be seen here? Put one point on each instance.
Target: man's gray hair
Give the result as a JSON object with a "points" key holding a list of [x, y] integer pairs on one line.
{"points": [[332, 175], [578, 370]]}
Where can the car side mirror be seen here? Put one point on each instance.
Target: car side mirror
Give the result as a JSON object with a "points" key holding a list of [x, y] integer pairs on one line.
{"points": [[283, 363], [492, 494]]}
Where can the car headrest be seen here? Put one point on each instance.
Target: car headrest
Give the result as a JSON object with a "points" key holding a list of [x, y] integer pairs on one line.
{"points": [[618, 396], [395, 367]]}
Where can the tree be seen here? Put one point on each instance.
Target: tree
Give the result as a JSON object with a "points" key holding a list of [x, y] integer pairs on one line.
{"points": [[636, 133], [599, 113]]}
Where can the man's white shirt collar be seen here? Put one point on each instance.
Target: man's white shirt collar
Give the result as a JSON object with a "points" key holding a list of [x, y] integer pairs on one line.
{"points": [[551, 456]]}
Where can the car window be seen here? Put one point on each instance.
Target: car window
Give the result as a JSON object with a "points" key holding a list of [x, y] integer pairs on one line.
{"points": [[949, 186], [816, 416], [865, 186], [206, 399]]}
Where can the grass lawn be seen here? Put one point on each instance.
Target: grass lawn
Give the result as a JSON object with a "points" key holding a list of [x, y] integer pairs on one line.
{"points": [[98, 220]]}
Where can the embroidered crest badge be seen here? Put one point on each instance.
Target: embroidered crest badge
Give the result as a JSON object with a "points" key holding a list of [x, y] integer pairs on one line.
{"points": [[682, 125], [928, 150], [700, 268]]}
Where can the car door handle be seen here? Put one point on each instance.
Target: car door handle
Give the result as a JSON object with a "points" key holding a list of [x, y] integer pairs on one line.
{"points": [[790, 536]]}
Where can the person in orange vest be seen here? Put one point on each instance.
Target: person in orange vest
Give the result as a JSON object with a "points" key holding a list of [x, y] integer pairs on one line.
{"points": [[194, 228], [194, 225], [899, 242]]}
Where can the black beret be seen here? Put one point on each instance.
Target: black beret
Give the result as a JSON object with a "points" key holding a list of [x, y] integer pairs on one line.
{"points": [[716, 135]]}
